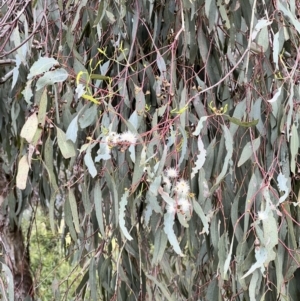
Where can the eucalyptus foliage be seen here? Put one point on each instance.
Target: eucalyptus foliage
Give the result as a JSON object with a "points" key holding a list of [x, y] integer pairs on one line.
{"points": [[163, 136]]}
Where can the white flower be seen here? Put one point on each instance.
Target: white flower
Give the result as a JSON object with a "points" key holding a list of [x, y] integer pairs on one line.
{"points": [[171, 208], [114, 137], [129, 137], [184, 204], [182, 188], [171, 172], [262, 215]]}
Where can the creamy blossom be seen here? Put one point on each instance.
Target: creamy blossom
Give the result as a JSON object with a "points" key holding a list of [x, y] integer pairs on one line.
{"points": [[112, 139], [182, 188], [129, 137], [171, 172], [171, 208], [262, 215], [184, 204]]}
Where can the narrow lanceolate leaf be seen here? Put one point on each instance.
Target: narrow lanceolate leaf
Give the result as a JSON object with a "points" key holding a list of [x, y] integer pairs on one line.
{"points": [[270, 236], [200, 125], [200, 158], [200, 213], [98, 206], [282, 184], [229, 149], [228, 259], [52, 77], [168, 228], [88, 161], [22, 175], [72, 130], [49, 162], [93, 279], [52, 212], [161, 64], [73, 206], [161, 286], [249, 149], [29, 128], [42, 65], [27, 92], [66, 146], [252, 286], [123, 204], [242, 123], [294, 141], [261, 256], [160, 244]]}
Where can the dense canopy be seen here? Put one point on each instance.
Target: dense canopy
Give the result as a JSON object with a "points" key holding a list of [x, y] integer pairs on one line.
{"points": [[160, 139]]}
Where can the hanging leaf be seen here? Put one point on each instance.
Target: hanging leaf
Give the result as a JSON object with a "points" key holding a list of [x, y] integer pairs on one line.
{"points": [[22, 175], [261, 256], [262, 23], [270, 236], [200, 125], [123, 204], [72, 130], [161, 64], [161, 286], [229, 148], [249, 149], [160, 243], [16, 71], [202, 216], [252, 286], [242, 123], [73, 206], [294, 141], [168, 228], [98, 206], [282, 185], [276, 95], [52, 77], [42, 65], [88, 161], [49, 162], [29, 128], [27, 92], [200, 158], [278, 42], [66, 146]]}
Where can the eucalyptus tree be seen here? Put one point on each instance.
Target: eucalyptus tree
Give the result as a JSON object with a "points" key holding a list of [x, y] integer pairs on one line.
{"points": [[160, 138]]}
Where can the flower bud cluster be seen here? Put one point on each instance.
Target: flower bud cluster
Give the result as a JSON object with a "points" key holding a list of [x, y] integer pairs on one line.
{"points": [[122, 141], [180, 189]]}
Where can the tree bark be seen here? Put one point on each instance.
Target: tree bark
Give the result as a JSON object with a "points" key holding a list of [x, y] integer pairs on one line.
{"points": [[16, 255]]}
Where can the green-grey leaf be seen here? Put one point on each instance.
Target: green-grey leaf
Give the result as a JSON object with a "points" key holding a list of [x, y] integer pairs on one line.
{"points": [[249, 149], [123, 204], [168, 228], [98, 200], [42, 65], [88, 161], [294, 141], [52, 77], [73, 206], [242, 123], [72, 130], [66, 146], [202, 216]]}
